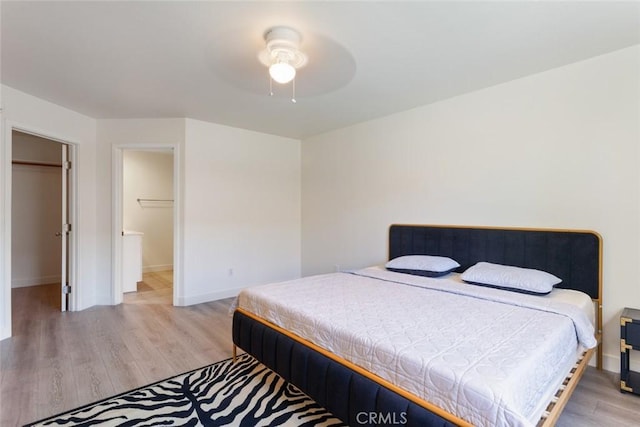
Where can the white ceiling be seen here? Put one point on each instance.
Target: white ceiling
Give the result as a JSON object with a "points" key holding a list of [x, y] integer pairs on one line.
{"points": [[138, 59]]}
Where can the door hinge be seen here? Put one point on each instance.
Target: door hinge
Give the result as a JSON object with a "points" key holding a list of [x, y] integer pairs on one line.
{"points": [[67, 165], [66, 289]]}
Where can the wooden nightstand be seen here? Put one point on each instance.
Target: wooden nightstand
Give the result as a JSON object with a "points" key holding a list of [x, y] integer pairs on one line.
{"points": [[629, 340]]}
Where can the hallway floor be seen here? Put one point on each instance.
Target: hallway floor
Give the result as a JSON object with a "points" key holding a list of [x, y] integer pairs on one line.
{"points": [[155, 288]]}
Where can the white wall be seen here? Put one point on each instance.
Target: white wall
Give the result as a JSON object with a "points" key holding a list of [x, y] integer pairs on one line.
{"points": [[240, 206], [28, 113], [242, 210], [36, 212], [149, 175], [558, 149]]}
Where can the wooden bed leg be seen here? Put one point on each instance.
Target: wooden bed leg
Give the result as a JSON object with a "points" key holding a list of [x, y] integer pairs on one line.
{"points": [[234, 353], [599, 357]]}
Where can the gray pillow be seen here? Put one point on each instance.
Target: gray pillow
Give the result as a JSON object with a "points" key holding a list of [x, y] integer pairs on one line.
{"points": [[517, 279], [422, 265]]}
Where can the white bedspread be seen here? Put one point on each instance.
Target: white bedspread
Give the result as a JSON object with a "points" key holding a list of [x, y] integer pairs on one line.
{"points": [[491, 357]]}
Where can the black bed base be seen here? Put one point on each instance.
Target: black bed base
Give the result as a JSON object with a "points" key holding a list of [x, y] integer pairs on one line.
{"points": [[350, 396]]}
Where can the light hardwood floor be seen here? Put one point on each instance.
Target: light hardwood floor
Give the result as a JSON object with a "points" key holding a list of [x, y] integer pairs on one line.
{"points": [[58, 361]]}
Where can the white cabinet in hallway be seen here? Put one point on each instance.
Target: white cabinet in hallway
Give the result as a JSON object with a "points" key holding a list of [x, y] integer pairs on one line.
{"points": [[131, 260]]}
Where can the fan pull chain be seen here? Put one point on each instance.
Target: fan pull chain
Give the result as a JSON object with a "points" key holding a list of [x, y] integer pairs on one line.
{"points": [[293, 89]]}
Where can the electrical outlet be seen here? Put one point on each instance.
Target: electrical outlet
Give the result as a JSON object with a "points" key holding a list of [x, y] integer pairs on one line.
{"points": [[230, 272]]}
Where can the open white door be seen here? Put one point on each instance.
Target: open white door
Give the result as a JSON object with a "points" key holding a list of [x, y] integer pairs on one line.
{"points": [[65, 230]]}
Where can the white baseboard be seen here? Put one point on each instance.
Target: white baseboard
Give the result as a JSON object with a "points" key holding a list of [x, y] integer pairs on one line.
{"points": [[153, 268], [34, 281], [5, 333], [610, 362], [214, 296]]}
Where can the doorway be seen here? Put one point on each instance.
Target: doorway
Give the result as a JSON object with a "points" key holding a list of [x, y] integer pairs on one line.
{"points": [[41, 202], [147, 217]]}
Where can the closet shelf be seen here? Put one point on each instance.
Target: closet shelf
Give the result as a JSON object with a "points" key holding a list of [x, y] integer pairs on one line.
{"points": [[28, 163], [155, 203]]}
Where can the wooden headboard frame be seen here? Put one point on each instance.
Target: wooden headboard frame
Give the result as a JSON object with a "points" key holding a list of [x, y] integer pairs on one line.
{"points": [[573, 255]]}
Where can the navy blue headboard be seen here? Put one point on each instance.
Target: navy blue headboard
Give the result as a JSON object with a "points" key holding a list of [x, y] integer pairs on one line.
{"points": [[573, 256]]}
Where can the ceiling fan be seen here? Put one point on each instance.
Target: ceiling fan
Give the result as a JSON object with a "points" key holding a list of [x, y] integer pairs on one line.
{"points": [[283, 56]]}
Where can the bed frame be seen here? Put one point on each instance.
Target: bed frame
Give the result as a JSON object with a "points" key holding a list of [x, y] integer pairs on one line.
{"points": [[349, 391]]}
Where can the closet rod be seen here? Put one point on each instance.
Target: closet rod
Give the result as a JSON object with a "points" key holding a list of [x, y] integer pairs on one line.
{"points": [[154, 200], [26, 163]]}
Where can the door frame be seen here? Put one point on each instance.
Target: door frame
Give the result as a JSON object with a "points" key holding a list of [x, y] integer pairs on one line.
{"points": [[117, 213], [7, 177]]}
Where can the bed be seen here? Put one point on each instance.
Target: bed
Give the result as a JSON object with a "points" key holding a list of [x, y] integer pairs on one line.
{"points": [[386, 347]]}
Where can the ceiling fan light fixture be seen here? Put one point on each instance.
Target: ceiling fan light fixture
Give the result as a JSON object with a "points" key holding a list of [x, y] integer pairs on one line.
{"points": [[282, 55], [282, 72]]}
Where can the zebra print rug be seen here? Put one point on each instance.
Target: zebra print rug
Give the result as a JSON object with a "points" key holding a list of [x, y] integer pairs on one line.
{"points": [[245, 393]]}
